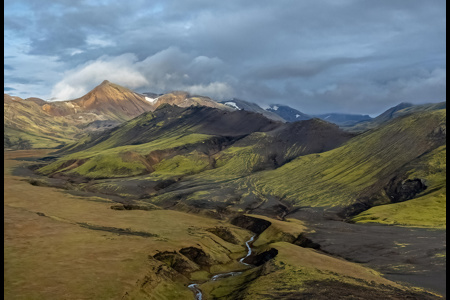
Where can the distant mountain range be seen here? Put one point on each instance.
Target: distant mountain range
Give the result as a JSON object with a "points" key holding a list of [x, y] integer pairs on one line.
{"points": [[253, 107], [200, 156], [37, 123], [288, 113]]}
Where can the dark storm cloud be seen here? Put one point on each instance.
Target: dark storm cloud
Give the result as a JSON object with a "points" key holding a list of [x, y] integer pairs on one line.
{"points": [[354, 56], [7, 67], [8, 89], [300, 69]]}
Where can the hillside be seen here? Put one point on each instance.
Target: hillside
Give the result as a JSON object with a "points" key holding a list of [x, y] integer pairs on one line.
{"points": [[399, 110], [26, 125], [179, 130], [359, 171]]}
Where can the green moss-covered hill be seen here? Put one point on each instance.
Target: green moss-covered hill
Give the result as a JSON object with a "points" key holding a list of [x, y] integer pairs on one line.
{"points": [[174, 141], [213, 159]]}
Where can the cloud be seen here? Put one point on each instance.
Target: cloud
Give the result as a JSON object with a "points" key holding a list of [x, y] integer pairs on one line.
{"points": [[333, 55], [120, 70], [170, 69], [302, 69], [97, 41], [220, 90]]}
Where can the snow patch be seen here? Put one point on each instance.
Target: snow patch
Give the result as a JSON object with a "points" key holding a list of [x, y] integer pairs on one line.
{"points": [[275, 107], [232, 104], [327, 117], [151, 100], [297, 115]]}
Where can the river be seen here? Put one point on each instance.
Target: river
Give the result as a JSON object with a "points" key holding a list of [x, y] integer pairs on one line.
{"points": [[194, 286]]}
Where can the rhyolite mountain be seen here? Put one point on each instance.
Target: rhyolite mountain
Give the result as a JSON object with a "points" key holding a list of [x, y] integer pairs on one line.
{"points": [[27, 125], [288, 113], [51, 124], [107, 100], [184, 99], [37, 123]]}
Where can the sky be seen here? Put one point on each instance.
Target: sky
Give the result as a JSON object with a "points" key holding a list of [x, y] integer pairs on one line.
{"points": [[345, 56]]}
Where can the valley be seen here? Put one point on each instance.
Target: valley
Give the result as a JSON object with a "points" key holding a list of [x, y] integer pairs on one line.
{"points": [[184, 196]]}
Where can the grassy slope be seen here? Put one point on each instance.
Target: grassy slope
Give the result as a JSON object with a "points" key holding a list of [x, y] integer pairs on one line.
{"points": [[52, 256], [111, 163], [337, 177], [393, 113], [428, 209], [27, 120], [165, 128], [333, 178], [55, 257]]}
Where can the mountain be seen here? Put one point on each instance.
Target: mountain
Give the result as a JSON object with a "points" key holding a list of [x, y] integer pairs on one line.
{"points": [[399, 110], [176, 130], [204, 143], [108, 101], [343, 119], [253, 107], [288, 113], [184, 99], [371, 169], [38, 123]]}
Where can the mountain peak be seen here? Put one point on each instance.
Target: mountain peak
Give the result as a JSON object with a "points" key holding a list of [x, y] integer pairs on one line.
{"points": [[105, 82]]}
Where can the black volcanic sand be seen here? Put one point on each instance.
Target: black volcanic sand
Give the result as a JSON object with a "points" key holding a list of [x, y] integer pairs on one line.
{"points": [[403, 254]]}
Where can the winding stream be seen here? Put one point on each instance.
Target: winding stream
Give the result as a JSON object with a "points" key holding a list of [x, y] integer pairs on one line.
{"points": [[194, 286]]}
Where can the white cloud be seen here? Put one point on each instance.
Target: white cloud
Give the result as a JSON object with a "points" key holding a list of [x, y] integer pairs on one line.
{"points": [[167, 70], [217, 90], [120, 70]]}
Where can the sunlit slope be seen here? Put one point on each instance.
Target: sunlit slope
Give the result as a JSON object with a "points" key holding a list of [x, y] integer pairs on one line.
{"points": [[112, 101], [359, 168], [184, 99], [24, 119], [428, 209], [50, 124]]}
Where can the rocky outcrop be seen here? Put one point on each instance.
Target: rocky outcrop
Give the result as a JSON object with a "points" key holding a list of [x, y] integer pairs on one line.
{"points": [[250, 223], [402, 190], [133, 207], [196, 255], [261, 258], [224, 233], [305, 242], [176, 262]]}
